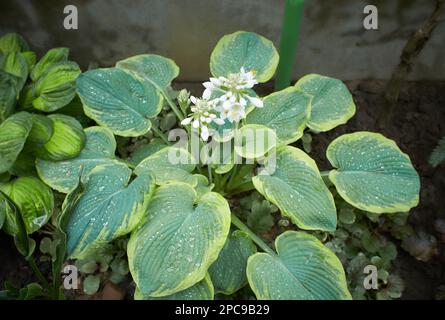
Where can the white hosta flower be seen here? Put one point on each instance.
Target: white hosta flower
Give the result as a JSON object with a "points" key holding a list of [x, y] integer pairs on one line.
{"points": [[234, 90], [233, 112], [203, 114]]}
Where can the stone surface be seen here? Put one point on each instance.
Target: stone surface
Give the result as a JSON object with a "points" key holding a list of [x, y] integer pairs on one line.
{"points": [[332, 40]]}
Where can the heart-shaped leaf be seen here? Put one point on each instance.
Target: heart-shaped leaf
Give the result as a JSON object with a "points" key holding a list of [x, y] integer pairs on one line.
{"points": [[119, 101], [67, 140], [181, 237], [304, 269], [35, 201], [63, 176], [228, 272], [246, 50], [203, 290], [372, 173], [146, 150], [253, 141], [155, 69], [292, 182], [285, 111], [13, 134], [110, 207], [332, 103], [169, 164]]}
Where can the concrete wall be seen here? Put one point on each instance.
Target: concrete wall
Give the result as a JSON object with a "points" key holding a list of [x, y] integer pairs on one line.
{"points": [[332, 41]]}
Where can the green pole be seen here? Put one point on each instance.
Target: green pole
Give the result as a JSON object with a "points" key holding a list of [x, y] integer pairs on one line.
{"points": [[293, 12]]}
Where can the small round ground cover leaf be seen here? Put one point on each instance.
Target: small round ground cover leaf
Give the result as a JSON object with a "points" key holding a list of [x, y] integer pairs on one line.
{"points": [[169, 164], [203, 290], [180, 238], [111, 206], [285, 111], [56, 87], [63, 176], [253, 141], [372, 173], [246, 50], [13, 134], [304, 269], [228, 272], [67, 141], [296, 187], [156, 69], [119, 101], [34, 199], [332, 103]]}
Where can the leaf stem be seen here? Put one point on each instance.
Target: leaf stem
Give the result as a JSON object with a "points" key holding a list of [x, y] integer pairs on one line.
{"points": [[258, 241], [159, 133], [325, 173], [209, 170], [37, 272], [173, 106]]}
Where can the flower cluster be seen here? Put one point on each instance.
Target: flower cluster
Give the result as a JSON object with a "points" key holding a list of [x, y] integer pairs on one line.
{"points": [[224, 98]]}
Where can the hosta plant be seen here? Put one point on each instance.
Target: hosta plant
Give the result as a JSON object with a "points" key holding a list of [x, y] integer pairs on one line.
{"points": [[173, 195]]}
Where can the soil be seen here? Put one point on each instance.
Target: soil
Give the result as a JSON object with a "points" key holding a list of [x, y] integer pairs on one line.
{"points": [[418, 124]]}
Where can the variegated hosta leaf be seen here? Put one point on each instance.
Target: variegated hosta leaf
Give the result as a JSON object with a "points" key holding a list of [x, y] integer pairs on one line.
{"points": [[109, 207], [24, 165], [372, 173], [296, 187], [41, 132], [15, 64], [13, 42], [244, 49], [67, 140], [169, 164], [332, 103], [181, 237], [52, 57], [119, 101], [35, 201], [8, 94], [63, 176], [203, 186], [203, 290], [304, 269], [222, 156], [285, 111], [228, 272], [56, 87], [155, 69], [146, 150], [30, 58], [13, 134], [253, 141]]}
